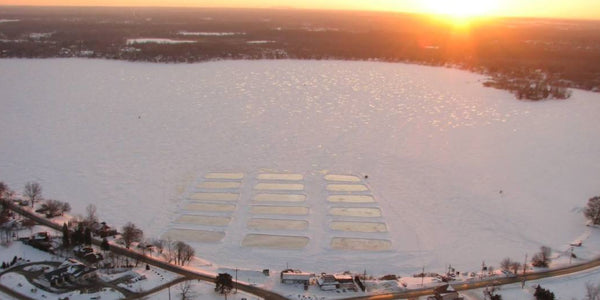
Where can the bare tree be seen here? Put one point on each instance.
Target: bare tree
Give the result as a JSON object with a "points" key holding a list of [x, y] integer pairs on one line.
{"points": [[542, 258], [5, 233], [131, 234], [33, 191], [592, 291], [170, 250], [592, 210], [159, 245], [515, 266], [28, 223], [505, 264], [184, 253], [489, 293], [3, 189], [90, 217], [65, 207], [185, 290], [55, 207], [75, 220], [5, 226]]}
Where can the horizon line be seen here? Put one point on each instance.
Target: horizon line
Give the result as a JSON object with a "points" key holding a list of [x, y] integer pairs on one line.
{"points": [[292, 8]]}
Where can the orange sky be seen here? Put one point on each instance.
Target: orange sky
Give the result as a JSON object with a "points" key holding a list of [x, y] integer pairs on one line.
{"points": [[576, 9]]}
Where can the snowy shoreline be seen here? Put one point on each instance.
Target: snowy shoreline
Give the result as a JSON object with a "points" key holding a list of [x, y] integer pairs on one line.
{"points": [[437, 147]]}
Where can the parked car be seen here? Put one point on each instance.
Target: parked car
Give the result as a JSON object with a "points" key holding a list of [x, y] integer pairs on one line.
{"points": [[82, 251], [42, 209], [52, 215]]}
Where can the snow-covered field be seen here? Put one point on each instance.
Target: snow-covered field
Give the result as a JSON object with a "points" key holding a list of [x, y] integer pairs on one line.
{"points": [[459, 173]]}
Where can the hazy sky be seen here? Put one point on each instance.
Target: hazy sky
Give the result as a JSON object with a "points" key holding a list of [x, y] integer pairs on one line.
{"points": [[585, 9]]}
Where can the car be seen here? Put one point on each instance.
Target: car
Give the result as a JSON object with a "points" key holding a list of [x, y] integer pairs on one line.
{"points": [[577, 243], [52, 215], [42, 209], [81, 252]]}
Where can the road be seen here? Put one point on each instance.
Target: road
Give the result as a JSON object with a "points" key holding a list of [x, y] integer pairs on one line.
{"points": [[269, 295], [490, 282], [183, 271]]}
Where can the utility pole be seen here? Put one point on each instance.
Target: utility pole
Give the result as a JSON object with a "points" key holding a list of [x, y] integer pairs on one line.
{"points": [[524, 271], [236, 284], [483, 269], [423, 277], [571, 255]]}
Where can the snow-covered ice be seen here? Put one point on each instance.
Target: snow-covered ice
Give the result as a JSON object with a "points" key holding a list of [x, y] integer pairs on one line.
{"points": [[204, 33], [459, 173]]}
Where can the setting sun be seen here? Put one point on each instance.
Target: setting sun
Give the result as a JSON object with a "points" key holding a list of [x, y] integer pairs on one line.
{"points": [[461, 8]]}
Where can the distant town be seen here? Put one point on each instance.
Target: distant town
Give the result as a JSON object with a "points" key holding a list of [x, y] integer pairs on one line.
{"points": [[533, 58]]}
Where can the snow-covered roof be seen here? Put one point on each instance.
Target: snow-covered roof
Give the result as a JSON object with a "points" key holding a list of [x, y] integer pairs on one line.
{"points": [[327, 279], [297, 276], [340, 277]]}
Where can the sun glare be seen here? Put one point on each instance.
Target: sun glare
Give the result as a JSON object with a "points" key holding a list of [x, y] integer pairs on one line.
{"points": [[461, 8]]}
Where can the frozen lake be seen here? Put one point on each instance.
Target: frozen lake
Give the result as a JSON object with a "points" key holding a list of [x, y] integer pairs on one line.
{"points": [[137, 139]]}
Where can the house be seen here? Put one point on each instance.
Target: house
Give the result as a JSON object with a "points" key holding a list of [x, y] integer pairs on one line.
{"points": [[41, 240], [41, 236], [103, 230], [446, 296], [290, 276], [345, 281], [72, 271], [445, 292], [88, 254], [93, 257], [327, 282]]}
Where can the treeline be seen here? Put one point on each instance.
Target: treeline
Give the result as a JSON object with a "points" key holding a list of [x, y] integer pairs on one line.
{"points": [[511, 50]]}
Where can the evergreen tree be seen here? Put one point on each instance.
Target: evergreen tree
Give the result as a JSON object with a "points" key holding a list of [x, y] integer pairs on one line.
{"points": [[543, 294], [66, 239], [223, 283], [105, 246], [77, 237], [87, 237], [592, 210]]}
